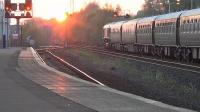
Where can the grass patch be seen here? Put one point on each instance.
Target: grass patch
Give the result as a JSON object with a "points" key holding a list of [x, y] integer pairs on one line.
{"points": [[155, 80]]}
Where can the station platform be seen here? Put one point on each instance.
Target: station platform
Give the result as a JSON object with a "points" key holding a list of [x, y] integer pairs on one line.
{"points": [[27, 84]]}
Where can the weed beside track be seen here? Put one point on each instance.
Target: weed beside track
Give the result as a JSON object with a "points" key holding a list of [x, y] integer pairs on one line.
{"points": [[163, 84]]}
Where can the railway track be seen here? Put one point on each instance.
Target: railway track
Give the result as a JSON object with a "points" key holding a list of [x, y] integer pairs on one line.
{"points": [[154, 61], [130, 85], [79, 72]]}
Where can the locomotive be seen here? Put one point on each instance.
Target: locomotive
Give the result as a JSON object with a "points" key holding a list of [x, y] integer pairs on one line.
{"points": [[175, 35]]}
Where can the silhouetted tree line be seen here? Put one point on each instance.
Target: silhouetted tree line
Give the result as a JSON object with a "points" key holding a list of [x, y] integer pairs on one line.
{"points": [[156, 7], [85, 27], [37, 30]]}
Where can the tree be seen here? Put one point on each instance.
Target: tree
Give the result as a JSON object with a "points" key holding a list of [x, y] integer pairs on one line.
{"points": [[157, 7], [37, 30], [86, 25]]}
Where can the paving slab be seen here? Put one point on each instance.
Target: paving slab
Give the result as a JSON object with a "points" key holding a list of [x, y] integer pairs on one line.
{"points": [[19, 94], [93, 96]]}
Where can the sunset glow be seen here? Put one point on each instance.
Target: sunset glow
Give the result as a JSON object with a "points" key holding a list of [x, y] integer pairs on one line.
{"points": [[48, 9], [57, 8], [61, 18]]}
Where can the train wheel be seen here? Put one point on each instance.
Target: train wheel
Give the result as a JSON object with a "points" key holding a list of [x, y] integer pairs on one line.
{"points": [[178, 54], [189, 55]]}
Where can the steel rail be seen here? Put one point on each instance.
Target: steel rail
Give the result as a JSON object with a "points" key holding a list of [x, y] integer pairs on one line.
{"points": [[75, 69], [180, 66]]}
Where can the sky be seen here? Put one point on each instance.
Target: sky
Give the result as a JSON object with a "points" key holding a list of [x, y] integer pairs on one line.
{"points": [[48, 9]]}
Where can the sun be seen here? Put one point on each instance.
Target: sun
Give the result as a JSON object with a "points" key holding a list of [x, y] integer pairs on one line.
{"points": [[61, 18]]}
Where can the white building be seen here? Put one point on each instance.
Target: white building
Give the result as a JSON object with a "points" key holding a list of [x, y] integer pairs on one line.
{"points": [[4, 25]]}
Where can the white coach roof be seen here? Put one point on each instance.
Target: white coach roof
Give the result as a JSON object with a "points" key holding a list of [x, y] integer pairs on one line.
{"points": [[170, 16], [147, 19], [117, 24], [133, 21], [108, 25], [193, 12]]}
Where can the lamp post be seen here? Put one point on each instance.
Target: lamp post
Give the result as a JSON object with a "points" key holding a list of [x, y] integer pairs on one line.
{"points": [[72, 6], [169, 10], [191, 7]]}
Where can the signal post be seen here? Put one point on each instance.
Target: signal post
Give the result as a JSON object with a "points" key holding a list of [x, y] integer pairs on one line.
{"points": [[18, 11]]}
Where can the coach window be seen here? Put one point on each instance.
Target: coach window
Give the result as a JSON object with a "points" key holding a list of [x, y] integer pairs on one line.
{"points": [[157, 29], [183, 26], [196, 25], [140, 31], [147, 28], [167, 27], [160, 30], [199, 24], [163, 27], [150, 28], [172, 27], [187, 26], [192, 25]]}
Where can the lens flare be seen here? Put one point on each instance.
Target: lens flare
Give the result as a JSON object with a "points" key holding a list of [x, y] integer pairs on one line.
{"points": [[61, 18]]}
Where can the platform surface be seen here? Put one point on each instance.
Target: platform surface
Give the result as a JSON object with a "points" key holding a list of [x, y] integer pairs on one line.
{"points": [[19, 94], [29, 85]]}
